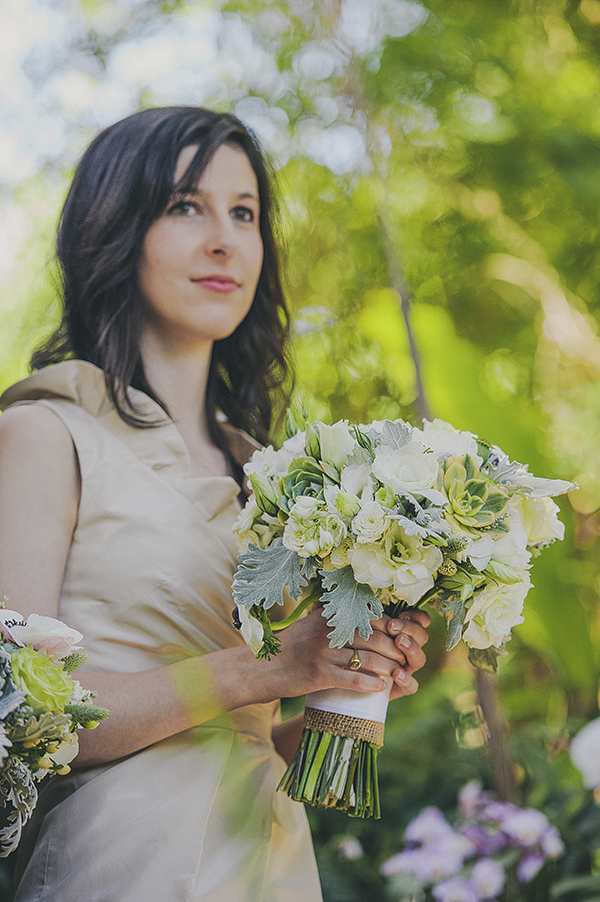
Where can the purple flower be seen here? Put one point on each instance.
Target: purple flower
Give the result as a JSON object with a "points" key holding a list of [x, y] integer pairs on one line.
{"points": [[399, 864], [428, 826], [458, 889], [488, 877], [486, 842], [432, 863], [525, 826], [471, 798], [551, 843], [498, 811], [351, 848], [529, 866]]}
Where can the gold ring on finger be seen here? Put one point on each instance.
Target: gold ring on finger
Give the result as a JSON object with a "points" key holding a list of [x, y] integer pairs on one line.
{"points": [[355, 662]]}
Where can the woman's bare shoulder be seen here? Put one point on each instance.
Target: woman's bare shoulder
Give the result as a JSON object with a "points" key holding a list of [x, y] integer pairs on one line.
{"points": [[33, 429], [37, 454]]}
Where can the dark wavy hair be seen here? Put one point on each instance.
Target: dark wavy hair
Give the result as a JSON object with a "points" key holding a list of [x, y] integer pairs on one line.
{"points": [[122, 184]]}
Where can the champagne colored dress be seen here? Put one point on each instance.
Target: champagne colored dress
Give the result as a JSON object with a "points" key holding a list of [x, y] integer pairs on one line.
{"points": [[147, 582]]}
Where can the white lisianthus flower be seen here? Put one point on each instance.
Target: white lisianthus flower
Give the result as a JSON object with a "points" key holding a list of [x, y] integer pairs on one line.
{"points": [[312, 529], [294, 445], [410, 469], [400, 561], [540, 518], [254, 527], [585, 753], [356, 480], [269, 464], [494, 612], [337, 442], [67, 750], [341, 502], [478, 552], [370, 522], [251, 629], [511, 548], [56, 637], [446, 441]]}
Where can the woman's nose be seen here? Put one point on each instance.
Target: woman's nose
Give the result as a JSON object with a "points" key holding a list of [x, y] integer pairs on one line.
{"points": [[221, 237]]}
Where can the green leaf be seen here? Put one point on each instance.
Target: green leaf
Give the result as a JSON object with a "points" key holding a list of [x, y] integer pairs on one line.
{"points": [[486, 658], [74, 660], [349, 606], [85, 713], [263, 574], [264, 494], [454, 611]]}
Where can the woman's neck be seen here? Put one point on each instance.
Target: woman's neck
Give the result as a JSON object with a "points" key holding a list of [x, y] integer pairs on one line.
{"points": [[179, 377]]}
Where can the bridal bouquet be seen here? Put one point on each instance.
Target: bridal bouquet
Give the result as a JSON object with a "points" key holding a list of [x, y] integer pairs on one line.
{"points": [[41, 706], [377, 519]]}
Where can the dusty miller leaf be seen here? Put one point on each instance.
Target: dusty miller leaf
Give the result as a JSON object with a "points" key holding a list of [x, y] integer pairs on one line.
{"points": [[349, 606], [45, 726], [263, 574], [394, 434]]}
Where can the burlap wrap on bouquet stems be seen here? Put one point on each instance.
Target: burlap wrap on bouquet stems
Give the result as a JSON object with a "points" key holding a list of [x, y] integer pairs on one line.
{"points": [[336, 762]]}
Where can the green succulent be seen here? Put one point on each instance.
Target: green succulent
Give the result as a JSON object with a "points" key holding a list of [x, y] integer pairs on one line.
{"points": [[307, 477], [475, 502]]}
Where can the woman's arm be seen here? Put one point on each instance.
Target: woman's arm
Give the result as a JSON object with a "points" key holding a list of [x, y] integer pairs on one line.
{"points": [[39, 496]]}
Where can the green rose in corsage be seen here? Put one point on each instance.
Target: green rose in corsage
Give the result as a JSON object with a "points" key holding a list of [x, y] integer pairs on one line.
{"points": [[45, 684]]}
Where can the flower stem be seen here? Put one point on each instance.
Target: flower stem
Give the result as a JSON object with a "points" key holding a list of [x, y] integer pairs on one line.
{"points": [[298, 610]]}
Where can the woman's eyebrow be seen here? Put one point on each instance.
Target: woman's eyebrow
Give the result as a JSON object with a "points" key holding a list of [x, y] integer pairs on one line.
{"points": [[199, 192]]}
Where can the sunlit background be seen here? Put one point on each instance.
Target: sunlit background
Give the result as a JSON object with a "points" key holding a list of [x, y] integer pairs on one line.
{"points": [[439, 167]]}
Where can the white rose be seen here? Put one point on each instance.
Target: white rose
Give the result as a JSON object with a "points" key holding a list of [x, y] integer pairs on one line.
{"points": [[337, 442], [446, 441], [67, 750], [370, 522], [410, 469], [494, 612], [44, 632], [339, 555], [585, 753], [540, 518], [251, 629]]}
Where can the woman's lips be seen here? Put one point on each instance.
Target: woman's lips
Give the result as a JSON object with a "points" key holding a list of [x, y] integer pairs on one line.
{"points": [[217, 283]]}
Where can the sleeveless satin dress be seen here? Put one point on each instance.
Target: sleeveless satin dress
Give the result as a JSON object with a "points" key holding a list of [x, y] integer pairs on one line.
{"points": [[147, 582]]}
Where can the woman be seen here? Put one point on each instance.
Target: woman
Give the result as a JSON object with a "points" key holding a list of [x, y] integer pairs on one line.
{"points": [[116, 509]]}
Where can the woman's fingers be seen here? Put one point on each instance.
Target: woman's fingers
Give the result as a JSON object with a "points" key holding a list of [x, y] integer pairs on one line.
{"points": [[404, 684]]}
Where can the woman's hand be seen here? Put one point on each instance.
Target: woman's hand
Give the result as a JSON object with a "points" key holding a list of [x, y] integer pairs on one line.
{"points": [[306, 663], [400, 642], [409, 632]]}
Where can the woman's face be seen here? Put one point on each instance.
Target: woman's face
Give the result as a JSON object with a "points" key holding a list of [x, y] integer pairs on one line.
{"points": [[202, 258]]}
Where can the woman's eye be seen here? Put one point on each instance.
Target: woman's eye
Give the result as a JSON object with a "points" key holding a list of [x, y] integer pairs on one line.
{"points": [[244, 214], [182, 208]]}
